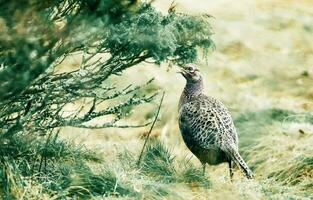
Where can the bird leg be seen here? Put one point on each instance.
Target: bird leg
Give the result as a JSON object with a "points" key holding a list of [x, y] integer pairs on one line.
{"points": [[231, 173]]}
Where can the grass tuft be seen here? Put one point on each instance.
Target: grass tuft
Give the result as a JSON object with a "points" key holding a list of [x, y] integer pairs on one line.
{"points": [[158, 161], [85, 183]]}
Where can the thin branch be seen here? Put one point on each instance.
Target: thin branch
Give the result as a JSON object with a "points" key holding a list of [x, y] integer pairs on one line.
{"points": [[147, 138], [109, 125]]}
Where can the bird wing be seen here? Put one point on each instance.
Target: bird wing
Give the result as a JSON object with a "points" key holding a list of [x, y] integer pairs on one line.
{"points": [[208, 124]]}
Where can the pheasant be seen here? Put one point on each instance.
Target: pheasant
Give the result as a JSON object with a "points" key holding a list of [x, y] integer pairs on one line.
{"points": [[206, 125]]}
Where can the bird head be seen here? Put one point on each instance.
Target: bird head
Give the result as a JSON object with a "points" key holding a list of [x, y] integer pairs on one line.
{"points": [[191, 73]]}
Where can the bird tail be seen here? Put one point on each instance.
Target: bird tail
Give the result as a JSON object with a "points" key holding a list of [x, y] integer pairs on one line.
{"points": [[241, 164]]}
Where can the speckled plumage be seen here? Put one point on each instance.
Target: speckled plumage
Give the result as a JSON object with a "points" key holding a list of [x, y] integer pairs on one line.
{"points": [[206, 125]]}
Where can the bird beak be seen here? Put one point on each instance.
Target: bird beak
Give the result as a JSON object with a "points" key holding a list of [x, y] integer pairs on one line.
{"points": [[182, 72]]}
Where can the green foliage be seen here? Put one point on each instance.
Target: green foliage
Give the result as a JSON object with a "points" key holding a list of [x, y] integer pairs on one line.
{"points": [[34, 95], [36, 37], [163, 37]]}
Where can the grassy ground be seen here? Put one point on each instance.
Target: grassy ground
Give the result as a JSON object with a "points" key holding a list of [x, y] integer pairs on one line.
{"points": [[262, 69]]}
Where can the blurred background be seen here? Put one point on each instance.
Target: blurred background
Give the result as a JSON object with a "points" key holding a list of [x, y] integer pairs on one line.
{"points": [[262, 69]]}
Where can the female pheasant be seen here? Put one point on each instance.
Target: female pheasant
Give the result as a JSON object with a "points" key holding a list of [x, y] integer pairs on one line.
{"points": [[206, 125]]}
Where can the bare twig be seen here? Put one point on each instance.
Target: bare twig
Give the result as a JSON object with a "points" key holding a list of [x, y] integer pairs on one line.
{"points": [[43, 153], [148, 135]]}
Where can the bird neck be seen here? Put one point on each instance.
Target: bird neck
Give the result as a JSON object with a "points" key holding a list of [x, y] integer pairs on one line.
{"points": [[191, 90]]}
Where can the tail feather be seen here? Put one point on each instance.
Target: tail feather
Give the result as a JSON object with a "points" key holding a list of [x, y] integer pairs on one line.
{"points": [[235, 156]]}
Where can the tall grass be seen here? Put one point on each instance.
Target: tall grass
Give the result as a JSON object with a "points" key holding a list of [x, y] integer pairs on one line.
{"points": [[62, 170]]}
